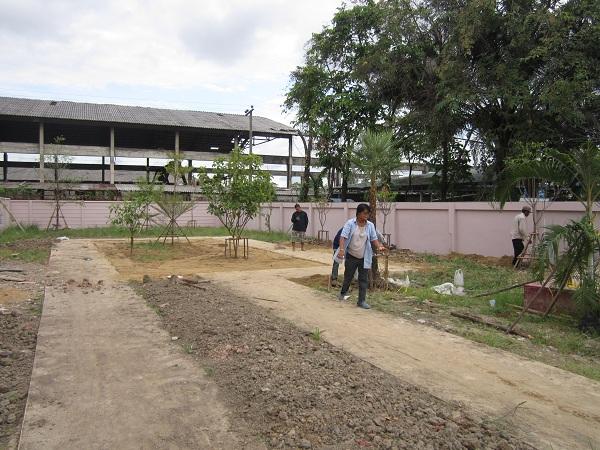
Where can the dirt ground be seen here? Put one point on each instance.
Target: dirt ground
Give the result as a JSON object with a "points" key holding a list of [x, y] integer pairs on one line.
{"points": [[292, 388], [201, 255], [301, 392], [20, 306]]}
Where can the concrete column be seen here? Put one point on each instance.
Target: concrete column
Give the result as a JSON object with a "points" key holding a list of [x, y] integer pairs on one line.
{"points": [[289, 164], [112, 155], [177, 142], [452, 226], [147, 170], [311, 221], [41, 151], [103, 178], [394, 232]]}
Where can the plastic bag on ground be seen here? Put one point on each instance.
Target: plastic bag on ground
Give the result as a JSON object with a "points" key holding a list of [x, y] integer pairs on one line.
{"points": [[448, 289], [399, 283]]}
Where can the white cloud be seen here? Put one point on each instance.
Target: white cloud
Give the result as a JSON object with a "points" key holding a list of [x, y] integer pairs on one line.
{"points": [[233, 50]]}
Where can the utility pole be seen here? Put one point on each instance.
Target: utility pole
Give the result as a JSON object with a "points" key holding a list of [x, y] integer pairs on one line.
{"points": [[248, 112]]}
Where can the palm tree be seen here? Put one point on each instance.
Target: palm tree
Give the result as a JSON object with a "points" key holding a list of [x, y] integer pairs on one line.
{"points": [[576, 172], [377, 157], [578, 241]]}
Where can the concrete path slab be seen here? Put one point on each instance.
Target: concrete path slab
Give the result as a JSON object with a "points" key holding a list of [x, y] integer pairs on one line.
{"points": [[107, 376]]}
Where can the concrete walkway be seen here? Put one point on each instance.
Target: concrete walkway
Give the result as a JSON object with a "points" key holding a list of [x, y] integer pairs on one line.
{"points": [[106, 376]]}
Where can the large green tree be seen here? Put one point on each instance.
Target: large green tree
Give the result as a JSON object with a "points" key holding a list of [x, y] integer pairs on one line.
{"points": [[569, 85], [473, 81], [331, 101]]}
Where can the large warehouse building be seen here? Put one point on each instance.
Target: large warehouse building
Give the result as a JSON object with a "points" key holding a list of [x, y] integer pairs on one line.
{"points": [[108, 135]]}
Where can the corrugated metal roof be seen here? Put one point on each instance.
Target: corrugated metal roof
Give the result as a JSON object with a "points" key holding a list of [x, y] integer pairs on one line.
{"points": [[139, 115]]}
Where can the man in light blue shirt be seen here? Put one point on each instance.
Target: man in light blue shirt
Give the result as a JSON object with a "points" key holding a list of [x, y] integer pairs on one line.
{"points": [[356, 242]]}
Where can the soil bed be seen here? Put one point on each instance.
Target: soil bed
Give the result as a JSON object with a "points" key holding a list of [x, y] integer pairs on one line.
{"points": [[296, 390], [20, 310], [201, 255]]}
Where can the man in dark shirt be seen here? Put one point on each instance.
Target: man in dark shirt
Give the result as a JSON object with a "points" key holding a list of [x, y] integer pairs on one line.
{"points": [[299, 226]]}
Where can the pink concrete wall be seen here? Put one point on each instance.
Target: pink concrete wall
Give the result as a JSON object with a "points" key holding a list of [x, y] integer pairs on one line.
{"points": [[91, 214], [441, 228]]}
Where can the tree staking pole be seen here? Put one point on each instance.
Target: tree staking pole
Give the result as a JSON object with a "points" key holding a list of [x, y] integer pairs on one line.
{"points": [[248, 112]]}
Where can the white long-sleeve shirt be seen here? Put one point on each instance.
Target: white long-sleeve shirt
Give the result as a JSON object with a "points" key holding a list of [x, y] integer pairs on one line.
{"points": [[519, 227]]}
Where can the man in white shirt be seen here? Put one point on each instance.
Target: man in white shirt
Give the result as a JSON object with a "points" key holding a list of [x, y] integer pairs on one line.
{"points": [[518, 232]]}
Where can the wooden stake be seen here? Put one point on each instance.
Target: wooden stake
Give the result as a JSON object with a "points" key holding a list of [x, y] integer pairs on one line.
{"points": [[497, 326], [12, 216], [386, 272], [266, 299], [504, 289]]}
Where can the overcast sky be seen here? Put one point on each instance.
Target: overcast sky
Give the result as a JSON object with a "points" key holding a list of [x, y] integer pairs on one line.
{"points": [[212, 55]]}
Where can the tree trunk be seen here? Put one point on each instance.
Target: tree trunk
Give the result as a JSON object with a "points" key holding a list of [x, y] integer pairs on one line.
{"points": [[501, 152], [445, 162], [409, 188], [373, 199], [331, 178], [345, 174]]}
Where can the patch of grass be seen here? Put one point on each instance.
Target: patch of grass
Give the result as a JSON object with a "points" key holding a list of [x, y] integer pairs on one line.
{"points": [[556, 340], [38, 305], [13, 234], [156, 309], [491, 338], [188, 348], [315, 334], [34, 255], [582, 368], [209, 371]]}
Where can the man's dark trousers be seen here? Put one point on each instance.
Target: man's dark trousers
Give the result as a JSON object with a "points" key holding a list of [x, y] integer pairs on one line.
{"points": [[518, 248], [350, 265]]}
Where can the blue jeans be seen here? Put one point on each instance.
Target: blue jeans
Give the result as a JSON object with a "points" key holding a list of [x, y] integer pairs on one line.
{"points": [[350, 265]]}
